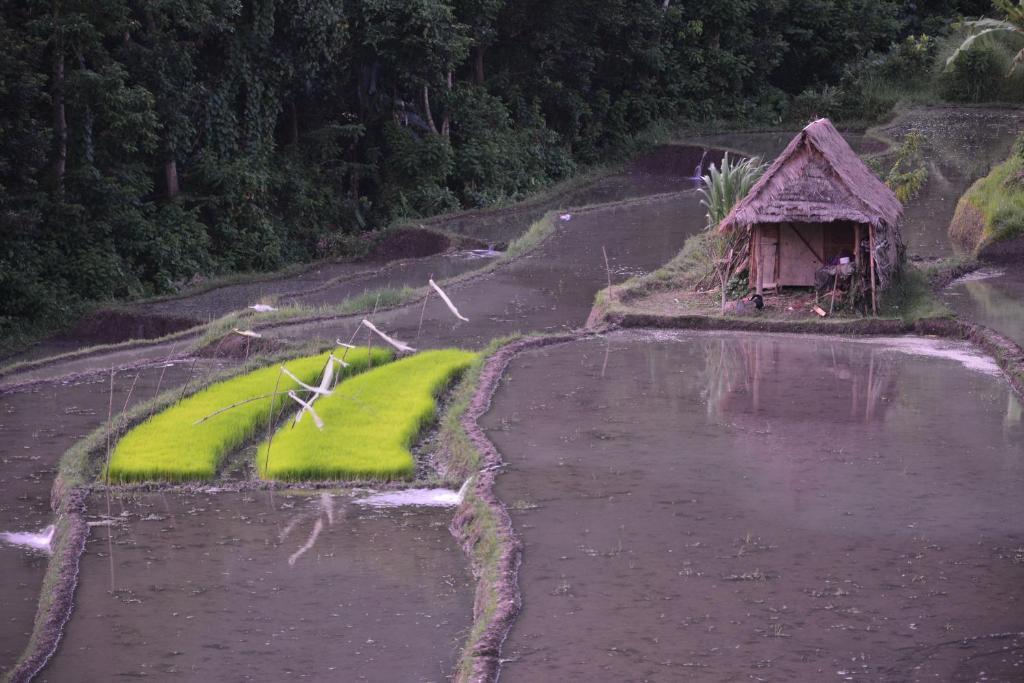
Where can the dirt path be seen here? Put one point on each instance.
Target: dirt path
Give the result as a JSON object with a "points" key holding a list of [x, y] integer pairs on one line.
{"points": [[732, 507]]}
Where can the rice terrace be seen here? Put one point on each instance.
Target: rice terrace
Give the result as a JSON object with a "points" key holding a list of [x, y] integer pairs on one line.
{"points": [[599, 341]]}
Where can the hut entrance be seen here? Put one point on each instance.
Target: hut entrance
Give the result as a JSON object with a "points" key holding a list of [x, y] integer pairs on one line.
{"points": [[790, 254]]}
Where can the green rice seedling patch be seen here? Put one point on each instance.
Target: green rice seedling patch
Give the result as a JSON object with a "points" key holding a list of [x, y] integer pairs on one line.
{"points": [[171, 446], [369, 423]]}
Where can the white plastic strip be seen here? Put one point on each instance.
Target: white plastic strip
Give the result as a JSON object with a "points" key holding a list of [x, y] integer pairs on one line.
{"points": [[451, 306]]}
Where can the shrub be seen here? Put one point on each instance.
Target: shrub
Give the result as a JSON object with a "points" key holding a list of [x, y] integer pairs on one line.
{"points": [[977, 75]]}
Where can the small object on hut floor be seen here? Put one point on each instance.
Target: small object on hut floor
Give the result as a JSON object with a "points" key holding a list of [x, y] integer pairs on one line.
{"points": [[819, 310]]}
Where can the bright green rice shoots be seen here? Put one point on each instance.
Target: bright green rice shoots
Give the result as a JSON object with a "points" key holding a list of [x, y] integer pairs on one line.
{"points": [[171, 447], [370, 423]]}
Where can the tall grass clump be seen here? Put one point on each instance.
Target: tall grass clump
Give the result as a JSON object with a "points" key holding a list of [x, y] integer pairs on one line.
{"points": [[171, 445], [992, 210], [370, 422]]}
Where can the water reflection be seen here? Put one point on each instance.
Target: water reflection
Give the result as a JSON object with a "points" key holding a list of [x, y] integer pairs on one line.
{"points": [[996, 301], [762, 377], [239, 591]]}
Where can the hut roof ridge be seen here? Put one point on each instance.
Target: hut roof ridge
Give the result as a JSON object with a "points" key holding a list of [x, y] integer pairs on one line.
{"points": [[878, 204]]}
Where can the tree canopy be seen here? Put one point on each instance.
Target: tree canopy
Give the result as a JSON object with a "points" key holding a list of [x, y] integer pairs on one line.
{"points": [[143, 142]]}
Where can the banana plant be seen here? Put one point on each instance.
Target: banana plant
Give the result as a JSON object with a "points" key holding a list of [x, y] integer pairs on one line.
{"points": [[1013, 23]]}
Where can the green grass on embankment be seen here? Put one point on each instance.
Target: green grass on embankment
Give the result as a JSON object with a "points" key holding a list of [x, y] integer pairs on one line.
{"points": [[170, 446], [370, 422], [992, 210]]}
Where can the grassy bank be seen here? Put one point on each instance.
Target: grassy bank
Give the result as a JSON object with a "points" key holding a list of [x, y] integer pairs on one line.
{"points": [[683, 289], [992, 210], [174, 446], [369, 423]]}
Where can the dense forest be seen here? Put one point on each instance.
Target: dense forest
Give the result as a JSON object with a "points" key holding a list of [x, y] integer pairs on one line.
{"points": [[143, 142]]}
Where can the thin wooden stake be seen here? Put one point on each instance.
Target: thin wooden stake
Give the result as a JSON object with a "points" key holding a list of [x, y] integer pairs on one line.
{"points": [[369, 337], [835, 285], [424, 309], [270, 423], [161, 380], [110, 427], [608, 270], [871, 257]]}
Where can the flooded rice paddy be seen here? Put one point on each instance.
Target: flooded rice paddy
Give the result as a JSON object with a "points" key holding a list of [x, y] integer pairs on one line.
{"points": [[733, 507], [37, 425], [993, 297], [709, 507], [550, 289], [249, 586]]}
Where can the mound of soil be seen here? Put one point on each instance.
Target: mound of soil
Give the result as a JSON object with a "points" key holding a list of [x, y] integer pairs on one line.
{"points": [[677, 160], [411, 242], [968, 225], [1010, 252], [110, 327], [239, 347]]}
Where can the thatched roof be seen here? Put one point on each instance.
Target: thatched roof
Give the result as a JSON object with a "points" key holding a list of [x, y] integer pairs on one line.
{"points": [[817, 179]]}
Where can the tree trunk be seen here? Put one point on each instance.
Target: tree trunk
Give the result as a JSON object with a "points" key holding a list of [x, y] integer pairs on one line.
{"points": [[446, 120], [171, 178], [293, 114], [478, 64], [426, 108], [87, 139], [60, 121]]}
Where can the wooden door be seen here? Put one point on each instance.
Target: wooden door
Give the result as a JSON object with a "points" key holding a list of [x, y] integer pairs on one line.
{"points": [[768, 256], [801, 253]]}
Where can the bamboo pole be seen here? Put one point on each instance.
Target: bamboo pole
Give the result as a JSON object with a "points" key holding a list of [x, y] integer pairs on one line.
{"points": [[755, 261], [871, 260]]}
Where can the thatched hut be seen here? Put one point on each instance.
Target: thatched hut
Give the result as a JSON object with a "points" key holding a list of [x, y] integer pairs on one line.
{"points": [[816, 205]]}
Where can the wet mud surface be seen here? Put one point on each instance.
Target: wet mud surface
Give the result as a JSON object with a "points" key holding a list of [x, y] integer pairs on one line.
{"points": [[993, 297], [753, 507], [237, 587], [36, 427]]}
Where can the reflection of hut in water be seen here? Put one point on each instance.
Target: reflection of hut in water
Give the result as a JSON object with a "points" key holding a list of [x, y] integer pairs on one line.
{"points": [[766, 379], [816, 205]]}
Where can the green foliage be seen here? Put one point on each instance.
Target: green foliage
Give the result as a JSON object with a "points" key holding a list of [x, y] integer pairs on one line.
{"points": [[170, 446], [1011, 26], [911, 298], [370, 422], [146, 143], [725, 186], [999, 197], [908, 174], [976, 76]]}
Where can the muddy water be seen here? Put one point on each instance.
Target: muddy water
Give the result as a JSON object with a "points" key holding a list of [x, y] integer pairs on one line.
{"points": [[992, 297], [36, 427], [239, 587], [553, 287], [731, 507]]}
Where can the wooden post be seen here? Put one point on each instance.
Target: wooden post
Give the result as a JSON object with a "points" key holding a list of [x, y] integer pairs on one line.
{"points": [[755, 259], [856, 245], [871, 260]]}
